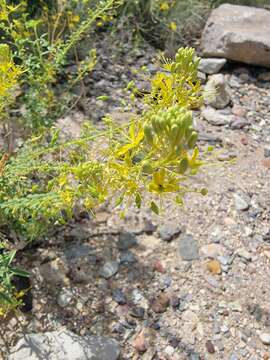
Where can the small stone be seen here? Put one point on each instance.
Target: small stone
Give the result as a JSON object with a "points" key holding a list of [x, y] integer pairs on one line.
{"points": [[212, 250], [190, 316], [214, 267], [136, 296], [240, 203], [158, 267], [266, 151], [194, 356], [216, 235], [127, 258], [238, 123], [160, 303], [140, 343], [243, 253], [143, 340], [174, 342], [210, 347], [188, 247], [119, 297], [265, 338], [215, 118], [126, 240], [64, 298], [211, 65], [174, 301], [224, 260], [217, 91], [169, 350], [224, 329], [137, 312], [169, 231], [238, 110], [149, 227], [212, 282], [109, 269]]}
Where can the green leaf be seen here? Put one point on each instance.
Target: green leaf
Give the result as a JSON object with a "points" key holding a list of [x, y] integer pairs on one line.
{"points": [[154, 207], [138, 200], [19, 272], [103, 98]]}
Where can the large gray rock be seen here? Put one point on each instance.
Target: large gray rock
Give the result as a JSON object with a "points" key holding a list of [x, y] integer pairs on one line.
{"points": [[64, 345], [239, 33]]}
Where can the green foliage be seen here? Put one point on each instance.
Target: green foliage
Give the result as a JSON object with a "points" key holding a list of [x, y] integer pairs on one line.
{"points": [[9, 297], [42, 45], [156, 152], [151, 157]]}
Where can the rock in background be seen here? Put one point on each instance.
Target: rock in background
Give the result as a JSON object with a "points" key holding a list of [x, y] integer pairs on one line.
{"points": [[238, 33]]}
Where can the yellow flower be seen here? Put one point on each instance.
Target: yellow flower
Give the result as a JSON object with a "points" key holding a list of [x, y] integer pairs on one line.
{"points": [[173, 26], [164, 6], [161, 183]]}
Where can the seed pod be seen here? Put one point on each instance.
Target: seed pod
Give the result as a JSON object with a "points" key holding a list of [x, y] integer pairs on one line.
{"points": [[187, 119], [154, 124], [174, 134], [192, 140], [148, 134], [178, 57], [180, 135], [188, 132], [179, 149], [183, 166]]}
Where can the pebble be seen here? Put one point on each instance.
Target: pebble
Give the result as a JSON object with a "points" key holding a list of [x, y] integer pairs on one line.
{"points": [[188, 247], [194, 356], [233, 356], [215, 117], [137, 296], [160, 303], [266, 151], [109, 269], [224, 260], [140, 343], [243, 253], [119, 297], [169, 350], [64, 298], [210, 347], [212, 281], [240, 203], [211, 65], [265, 338], [217, 91], [127, 258], [137, 312], [212, 250], [126, 240], [174, 301], [169, 231], [214, 267]]}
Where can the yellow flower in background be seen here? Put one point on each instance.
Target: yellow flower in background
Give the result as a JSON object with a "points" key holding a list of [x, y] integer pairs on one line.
{"points": [[164, 6], [173, 26]]}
